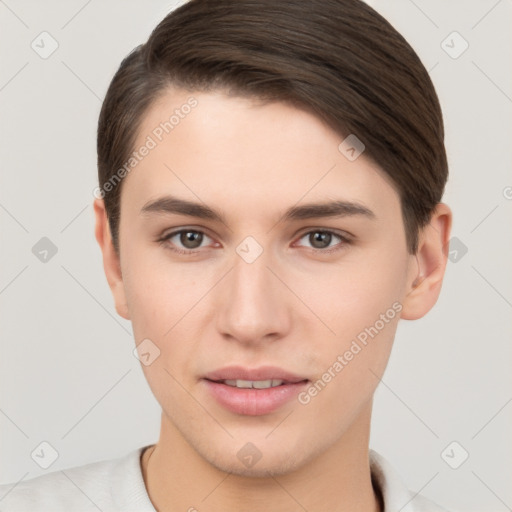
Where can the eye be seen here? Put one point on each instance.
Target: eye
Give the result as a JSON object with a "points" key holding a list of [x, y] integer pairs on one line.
{"points": [[188, 241], [184, 241], [321, 239]]}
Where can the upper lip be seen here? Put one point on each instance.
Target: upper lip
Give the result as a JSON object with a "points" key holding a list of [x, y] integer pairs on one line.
{"points": [[261, 373]]}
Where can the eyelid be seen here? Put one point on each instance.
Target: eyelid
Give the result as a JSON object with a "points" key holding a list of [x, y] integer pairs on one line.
{"points": [[345, 235], [169, 232], [167, 235], [346, 238]]}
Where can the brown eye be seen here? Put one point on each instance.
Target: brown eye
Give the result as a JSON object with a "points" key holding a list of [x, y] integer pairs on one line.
{"points": [[320, 239], [185, 241], [324, 240], [191, 239]]}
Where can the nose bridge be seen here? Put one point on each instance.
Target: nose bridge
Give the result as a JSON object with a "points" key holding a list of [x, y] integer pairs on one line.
{"points": [[252, 278], [253, 306]]}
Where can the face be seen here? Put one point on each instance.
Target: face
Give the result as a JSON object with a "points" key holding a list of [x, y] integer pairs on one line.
{"points": [[249, 240]]}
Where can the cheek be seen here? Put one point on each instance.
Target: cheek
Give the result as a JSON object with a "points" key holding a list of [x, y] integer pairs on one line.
{"points": [[160, 299], [158, 293], [352, 365], [168, 304], [360, 302], [353, 294]]}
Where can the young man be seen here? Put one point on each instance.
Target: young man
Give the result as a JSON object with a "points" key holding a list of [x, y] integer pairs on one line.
{"points": [[269, 208]]}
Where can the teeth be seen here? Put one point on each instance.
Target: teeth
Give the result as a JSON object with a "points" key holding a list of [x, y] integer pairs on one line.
{"points": [[257, 384]]}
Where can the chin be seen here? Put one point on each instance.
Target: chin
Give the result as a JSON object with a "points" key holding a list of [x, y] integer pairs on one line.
{"points": [[270, 468], [269, 462]]}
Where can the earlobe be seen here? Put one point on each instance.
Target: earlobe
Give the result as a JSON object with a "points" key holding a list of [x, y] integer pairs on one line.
{"points": [[431, 258], [111, 260]]}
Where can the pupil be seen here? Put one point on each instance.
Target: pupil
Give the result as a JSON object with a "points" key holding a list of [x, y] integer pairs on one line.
{"points": [[191, 239], [324, 239]]}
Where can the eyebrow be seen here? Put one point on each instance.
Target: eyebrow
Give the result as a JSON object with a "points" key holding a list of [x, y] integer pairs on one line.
{"points": [[174, 205]]}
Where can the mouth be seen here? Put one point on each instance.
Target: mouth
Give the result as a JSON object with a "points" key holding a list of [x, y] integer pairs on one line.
{"points": [[256, 384], [264, 376], [253, 392]]}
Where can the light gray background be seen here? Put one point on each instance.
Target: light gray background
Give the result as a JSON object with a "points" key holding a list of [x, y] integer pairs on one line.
{"points": [[68, 375]]}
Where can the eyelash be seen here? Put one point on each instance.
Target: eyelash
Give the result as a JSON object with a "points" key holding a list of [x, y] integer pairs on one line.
{"points": [[189, 252]]}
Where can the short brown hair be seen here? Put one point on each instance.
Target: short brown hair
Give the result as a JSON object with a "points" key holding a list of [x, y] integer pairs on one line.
{"points": [[339, 59]]}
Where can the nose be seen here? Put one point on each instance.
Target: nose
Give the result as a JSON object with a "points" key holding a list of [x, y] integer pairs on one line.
{"points": [[253, 304]]}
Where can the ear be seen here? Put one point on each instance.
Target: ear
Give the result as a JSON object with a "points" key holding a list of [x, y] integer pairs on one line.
{"points": [[111, 260], [427, 273]]}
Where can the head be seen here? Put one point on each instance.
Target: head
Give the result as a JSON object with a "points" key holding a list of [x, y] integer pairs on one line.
{"points": [[309, 138]]}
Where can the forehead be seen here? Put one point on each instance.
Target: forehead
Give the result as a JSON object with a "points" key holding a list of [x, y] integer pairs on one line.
{"points": [[247, 154]]}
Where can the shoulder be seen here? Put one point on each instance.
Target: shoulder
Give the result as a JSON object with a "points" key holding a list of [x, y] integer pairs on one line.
{"points": [[77, 488], [99, 485], [395, 495]]}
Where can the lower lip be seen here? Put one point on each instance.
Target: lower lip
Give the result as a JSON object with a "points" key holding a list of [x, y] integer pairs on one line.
{"points": [[254, 402]]}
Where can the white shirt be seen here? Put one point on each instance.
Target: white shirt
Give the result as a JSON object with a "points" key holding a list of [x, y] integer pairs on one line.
{"points": [[117, 485]]}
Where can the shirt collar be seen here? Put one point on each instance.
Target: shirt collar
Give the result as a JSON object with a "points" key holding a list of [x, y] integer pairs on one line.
{"points": [[396, 496]]}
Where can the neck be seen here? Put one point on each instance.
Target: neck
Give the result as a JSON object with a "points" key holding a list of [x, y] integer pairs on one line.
{"points": [[178, 478]]}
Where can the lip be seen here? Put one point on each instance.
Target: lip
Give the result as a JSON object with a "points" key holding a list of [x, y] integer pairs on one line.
{"points": [[250, 401], [261, 373]]}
